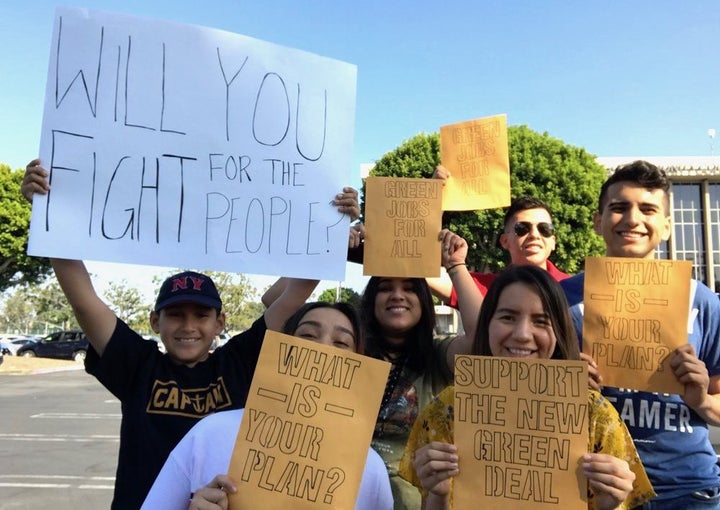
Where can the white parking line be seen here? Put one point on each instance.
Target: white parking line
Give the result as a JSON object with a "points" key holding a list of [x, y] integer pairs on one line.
{"points": [[78, 416], [61, 482], [37, 485], [59, 438], [60, 477]]}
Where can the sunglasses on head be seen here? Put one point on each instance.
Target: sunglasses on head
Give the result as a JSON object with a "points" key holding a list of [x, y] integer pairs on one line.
{"points": [[522, 228]]}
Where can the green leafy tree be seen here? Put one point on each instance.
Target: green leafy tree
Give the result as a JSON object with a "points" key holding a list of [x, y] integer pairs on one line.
{"points": [[51, 306], [18, 313], [15, 266], [128, 304], [567, 178], [247, 315], [236, 293], [347, 295]]}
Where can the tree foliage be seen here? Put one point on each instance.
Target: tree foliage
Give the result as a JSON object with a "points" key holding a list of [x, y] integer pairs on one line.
{"points": [[237, 293], [347, 295], [51, 307], [18, 313], [128, 304], [15, 266], [246, 316], [567, 178]]}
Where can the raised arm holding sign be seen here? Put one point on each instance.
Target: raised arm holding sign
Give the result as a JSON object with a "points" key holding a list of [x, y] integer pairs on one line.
{"points": [[170, 144]]}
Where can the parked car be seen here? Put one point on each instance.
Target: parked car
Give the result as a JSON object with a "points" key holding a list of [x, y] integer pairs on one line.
{"points": [[10, 344], [156, 339], [68, 344]]}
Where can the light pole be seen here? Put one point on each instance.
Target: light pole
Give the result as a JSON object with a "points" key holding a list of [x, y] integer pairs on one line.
{"points": [[711, 134]]}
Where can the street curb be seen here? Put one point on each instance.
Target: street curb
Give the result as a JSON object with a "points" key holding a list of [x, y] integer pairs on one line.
{"points": [[38, 371], [55, 369]]}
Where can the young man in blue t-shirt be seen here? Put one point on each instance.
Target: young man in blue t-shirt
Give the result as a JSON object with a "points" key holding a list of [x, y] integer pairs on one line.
{"points": [[670, 431]]}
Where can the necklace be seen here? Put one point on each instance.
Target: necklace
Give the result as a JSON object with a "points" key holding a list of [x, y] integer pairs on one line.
{"points": [[393, 378]]}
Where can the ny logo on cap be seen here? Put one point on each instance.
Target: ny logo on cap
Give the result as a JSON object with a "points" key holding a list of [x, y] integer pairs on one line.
{"points": [[182, 283]]}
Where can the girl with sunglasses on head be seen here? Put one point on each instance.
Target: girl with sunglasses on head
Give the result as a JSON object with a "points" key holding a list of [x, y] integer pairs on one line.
{"points": [[525, 315], [191, 472]]}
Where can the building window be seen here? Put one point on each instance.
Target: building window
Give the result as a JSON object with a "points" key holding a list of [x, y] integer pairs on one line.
{"points": [[714, 192], [688, 237]]}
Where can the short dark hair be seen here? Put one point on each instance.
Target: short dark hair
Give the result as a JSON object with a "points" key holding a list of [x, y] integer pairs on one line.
{"points": [[554, 303], [640, 173], [523, 204], [346, 309]]}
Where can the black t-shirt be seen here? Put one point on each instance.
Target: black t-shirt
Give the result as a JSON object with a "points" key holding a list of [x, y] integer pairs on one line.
{"points": [[161, 400]]}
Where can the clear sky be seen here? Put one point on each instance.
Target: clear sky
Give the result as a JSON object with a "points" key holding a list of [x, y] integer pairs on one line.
{"points": [[619, 78]]}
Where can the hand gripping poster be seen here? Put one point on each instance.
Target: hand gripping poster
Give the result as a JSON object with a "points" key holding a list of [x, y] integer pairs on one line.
{"points": [[307, 426]]}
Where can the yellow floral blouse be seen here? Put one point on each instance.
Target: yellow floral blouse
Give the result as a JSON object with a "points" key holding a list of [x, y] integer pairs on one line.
{"points": [[608, 434]]}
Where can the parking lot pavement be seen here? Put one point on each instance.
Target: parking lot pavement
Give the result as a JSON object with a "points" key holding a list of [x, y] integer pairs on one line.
{"points": [[59, 435]]}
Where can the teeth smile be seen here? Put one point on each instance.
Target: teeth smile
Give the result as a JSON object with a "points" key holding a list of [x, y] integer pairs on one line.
{"points": [[520, 352]]}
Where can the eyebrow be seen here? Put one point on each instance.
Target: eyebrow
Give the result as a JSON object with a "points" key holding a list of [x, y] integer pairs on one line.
{"points": [[517, 312], [628, 202], [317, 325]]}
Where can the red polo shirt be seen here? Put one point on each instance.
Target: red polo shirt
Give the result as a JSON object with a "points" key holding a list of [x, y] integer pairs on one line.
{"points": [[483, 281]]}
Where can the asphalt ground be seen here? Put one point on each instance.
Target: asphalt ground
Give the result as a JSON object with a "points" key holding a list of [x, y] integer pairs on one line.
{"points": [[59, 435]]}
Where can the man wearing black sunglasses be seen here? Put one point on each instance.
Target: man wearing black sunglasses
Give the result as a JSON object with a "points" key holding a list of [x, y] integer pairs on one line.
{"points": [[529, 238]]}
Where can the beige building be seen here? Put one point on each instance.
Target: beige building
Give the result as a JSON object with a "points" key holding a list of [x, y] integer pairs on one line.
{"points": [[695, 206]]}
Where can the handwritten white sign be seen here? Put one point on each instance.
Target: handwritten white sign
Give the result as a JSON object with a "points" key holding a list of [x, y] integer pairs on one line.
{"points": [[178, 145]]}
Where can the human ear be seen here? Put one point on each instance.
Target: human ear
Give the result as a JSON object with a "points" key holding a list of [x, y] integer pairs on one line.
{"points": [[155, 321], [504, 241], [220, 323], [597, 219], [667, 228]]}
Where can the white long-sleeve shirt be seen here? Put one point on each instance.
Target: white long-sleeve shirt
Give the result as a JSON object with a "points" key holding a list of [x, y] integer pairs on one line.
{"points": [[205, 452]]}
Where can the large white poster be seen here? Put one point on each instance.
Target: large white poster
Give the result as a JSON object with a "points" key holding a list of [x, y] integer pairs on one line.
{"points": [[178, 145]]}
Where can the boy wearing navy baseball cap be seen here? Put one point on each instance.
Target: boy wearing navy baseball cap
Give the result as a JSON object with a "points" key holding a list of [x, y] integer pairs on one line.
{"points": [[188, 316], [164, 394]]}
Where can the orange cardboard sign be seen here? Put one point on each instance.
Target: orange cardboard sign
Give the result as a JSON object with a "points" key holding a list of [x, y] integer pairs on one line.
{"points": [[521, 427], [476, 154], [403, 218], [635, 315], [307, 427]]}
